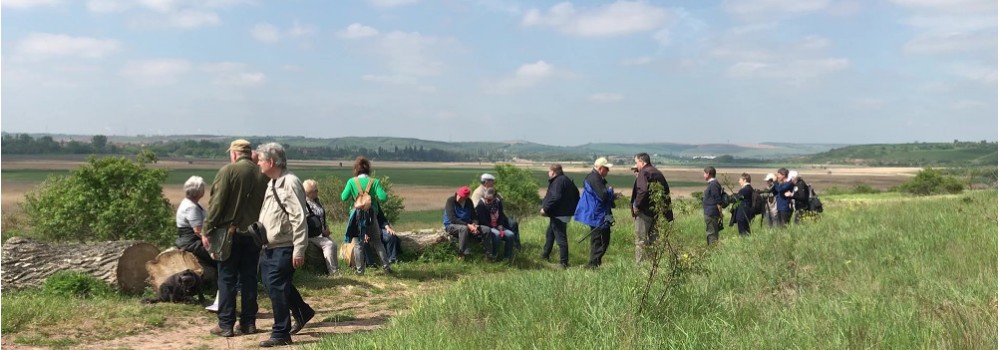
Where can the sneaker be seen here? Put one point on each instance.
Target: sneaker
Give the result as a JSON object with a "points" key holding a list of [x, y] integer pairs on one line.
{"points": [[359, 271], [213, 308], [275, 342], [218, 331]]}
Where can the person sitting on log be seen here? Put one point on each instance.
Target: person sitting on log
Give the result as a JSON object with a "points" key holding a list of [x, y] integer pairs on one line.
{"points": [[491, 215], [460, 222], [190, 217], [323, 241]]}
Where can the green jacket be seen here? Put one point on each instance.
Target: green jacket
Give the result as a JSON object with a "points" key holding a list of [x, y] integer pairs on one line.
{"points": [[378, 193], [237, 195]]}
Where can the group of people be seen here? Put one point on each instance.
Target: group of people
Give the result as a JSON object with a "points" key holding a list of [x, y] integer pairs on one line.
{"points": [[257, 224], [781, 196]]}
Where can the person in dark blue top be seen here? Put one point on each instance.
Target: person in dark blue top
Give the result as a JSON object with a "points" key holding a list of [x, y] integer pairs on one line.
{"points": [[594, 210], [742, 216], [782, 191], [460, 221], [712, 204]]}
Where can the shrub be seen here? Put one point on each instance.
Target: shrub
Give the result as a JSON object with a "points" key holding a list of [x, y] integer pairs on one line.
{"points": [[519, 189], [75, 284], [930, 181], [109, 198]]}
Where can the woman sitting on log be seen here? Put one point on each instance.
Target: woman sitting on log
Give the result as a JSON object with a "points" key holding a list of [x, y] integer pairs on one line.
{"points": [[190, 216]]}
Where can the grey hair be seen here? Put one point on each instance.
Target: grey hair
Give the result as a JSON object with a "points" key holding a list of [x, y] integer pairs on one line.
{"points": [[194, 186], [310, 183], [273, 151]]}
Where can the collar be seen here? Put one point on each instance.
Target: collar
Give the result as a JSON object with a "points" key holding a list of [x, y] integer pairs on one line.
{"points": [[362, 176], [711, 179]]}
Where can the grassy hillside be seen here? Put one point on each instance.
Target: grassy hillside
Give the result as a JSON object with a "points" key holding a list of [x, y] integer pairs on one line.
{"points": [[877, 271], [911, 154]]}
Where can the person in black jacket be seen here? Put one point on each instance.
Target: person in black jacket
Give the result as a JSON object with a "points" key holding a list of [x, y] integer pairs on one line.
{"points": [[742, 215], [800, 195], [490, 213], [559, 205], [642, 207], [460, 221], [712, 204]]}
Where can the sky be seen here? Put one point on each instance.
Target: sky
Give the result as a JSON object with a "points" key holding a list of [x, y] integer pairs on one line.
{"points": [[560, 73]]}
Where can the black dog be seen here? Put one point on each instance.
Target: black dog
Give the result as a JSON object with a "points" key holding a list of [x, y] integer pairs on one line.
{"points": [[179, 288]]}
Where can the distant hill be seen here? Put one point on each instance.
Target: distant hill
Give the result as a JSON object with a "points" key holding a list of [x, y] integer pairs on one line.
{"points": [[911, 154]]}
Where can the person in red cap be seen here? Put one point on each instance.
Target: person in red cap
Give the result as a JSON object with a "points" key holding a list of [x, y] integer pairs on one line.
{"points": [[460, 222]]}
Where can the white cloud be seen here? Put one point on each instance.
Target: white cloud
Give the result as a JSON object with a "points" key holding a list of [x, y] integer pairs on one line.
{"points": [[411, 54], [391, 3], [796, 70], [300, 30], [265, 32], [106, 6], [637, 61], [771, 8], [968, 104], [189, 19], [24, 4], [357, 31], [389, 79], [977, 72], [232, 74], [605, 98], [618, 18], [813, 43], [44, 45], [951, 43], [527, 75], [952, 6], [156, 72]]}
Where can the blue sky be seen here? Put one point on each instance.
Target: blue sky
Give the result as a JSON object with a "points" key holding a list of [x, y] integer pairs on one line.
{"points": [[563, 73]]}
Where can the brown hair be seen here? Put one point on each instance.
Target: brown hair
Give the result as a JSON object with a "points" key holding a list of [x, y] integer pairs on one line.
{"points": [[362, 166], [557, 168], [746, 177], [783, 172]]}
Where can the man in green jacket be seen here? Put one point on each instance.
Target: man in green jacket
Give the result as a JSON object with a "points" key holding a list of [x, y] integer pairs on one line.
{"points": [[237, 196]]}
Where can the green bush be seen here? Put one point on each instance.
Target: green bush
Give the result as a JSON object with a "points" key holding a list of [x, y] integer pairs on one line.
{"points": [[109, 198], [75, 284], [930, 181], [519, 189], [338, 210]]}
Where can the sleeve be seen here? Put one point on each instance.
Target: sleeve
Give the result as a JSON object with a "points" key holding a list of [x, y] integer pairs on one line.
{"points": [[449, 209], [348, 192], [471, 209], [482, 213], [599, 187], [220, 196], [296, 203], [379, 191], [552, 195], [195, 216], [642, 189]]}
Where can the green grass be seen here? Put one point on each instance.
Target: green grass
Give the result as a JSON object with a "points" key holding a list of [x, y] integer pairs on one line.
{"points": [[893, 272], [912, 154]]}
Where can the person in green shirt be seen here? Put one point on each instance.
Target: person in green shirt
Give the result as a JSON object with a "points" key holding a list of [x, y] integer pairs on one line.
{"points": [[362, 225]]}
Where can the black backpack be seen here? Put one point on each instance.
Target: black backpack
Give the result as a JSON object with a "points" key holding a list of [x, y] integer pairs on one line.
{"points": [[815, 204], [757, 203], [726, 197]]}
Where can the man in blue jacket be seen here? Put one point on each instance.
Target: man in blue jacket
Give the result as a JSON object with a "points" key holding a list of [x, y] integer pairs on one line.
{"points": [[712, 204], [559, 204], [783, 192], [594, 210]]}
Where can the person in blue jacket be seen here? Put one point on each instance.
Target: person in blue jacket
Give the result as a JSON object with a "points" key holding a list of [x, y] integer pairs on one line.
{"points": [[594, 210], [782, 191]]}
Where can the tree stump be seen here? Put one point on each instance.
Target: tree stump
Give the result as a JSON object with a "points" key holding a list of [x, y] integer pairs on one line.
{"points": [[171, 262], [27, 263]]}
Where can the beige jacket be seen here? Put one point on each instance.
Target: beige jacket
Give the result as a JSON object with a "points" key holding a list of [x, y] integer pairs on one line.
{"points": [[478, 194], [285, 230]]}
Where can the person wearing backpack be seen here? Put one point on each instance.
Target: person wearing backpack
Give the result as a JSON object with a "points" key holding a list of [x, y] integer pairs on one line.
{"points": [[712, 202], [366, 192], [800, 195], [743, 212], [559, 204]]}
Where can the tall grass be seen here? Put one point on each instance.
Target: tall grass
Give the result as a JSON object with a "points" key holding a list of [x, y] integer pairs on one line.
{"points": [[893, 273]]}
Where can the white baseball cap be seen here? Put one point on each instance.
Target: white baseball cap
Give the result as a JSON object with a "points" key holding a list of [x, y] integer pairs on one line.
{"points": [[603, 162], [487, 176], [793, 174], [769, 177]]}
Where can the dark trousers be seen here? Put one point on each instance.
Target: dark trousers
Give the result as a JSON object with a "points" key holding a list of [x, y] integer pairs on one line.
{"points": [[464, 236], [784, 217], [276, 271], [239, 270], [556, 233], [713, 224], [391, 243], [743, 226], [600, 239]]}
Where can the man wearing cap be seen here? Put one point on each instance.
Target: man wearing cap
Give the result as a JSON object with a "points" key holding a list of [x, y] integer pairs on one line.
{"points": [[642, 207], [237, 196], [485, 182], [770, 205], [460, 221], [594, 210]]}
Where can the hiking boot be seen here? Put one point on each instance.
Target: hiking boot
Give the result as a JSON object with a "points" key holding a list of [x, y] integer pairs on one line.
{"points": [[272, 342], [564, 265], [247, 329], [218, 331], [301, 319]]}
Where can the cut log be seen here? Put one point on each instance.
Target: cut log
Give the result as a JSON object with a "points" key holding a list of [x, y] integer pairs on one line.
{"points": [[169, 263], [27, 263], [411, 242]]}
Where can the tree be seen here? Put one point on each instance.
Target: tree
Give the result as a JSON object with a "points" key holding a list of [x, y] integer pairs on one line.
{"points": [[519, 189], [109, 198], [930, 181], [99, 142]]}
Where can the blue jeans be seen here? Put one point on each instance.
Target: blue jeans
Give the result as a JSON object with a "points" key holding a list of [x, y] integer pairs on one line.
{"points": [[239, 270], [276, 270], [509, 239]]}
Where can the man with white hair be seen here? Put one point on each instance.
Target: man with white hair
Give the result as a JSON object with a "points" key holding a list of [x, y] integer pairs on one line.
{"points": [[800, 195], [486, 181]]}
